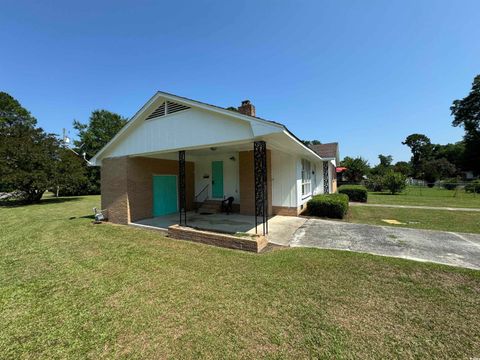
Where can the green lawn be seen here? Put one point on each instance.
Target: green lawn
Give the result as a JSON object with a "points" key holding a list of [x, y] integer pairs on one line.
{"points": [[71, 289], [459, 221], [415, 195]]}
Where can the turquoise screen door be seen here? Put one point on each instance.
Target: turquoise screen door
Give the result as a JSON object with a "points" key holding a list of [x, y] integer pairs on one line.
{"points": [[217, 179], [164, 195]]}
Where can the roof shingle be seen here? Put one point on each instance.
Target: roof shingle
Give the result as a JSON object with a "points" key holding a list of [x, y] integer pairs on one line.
{"points": [[326, 150]]}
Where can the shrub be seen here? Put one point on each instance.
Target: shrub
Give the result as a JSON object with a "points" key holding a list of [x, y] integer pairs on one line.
{"points": [[328, 205], [395, 182], [450, 184], [354, 192], [374, 183], [473, 187]]}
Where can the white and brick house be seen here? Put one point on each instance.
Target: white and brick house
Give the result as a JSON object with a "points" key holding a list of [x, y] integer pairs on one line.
{"points": [[176, 152]]}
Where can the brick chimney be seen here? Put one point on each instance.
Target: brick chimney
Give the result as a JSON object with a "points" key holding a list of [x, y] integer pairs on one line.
{"points": [[247, 108]]}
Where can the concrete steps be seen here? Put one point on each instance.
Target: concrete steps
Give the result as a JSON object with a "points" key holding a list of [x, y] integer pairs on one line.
{"points": [[210, 207]]}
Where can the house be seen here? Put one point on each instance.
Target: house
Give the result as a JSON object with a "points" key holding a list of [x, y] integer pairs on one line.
{"points": [[176, 155]]}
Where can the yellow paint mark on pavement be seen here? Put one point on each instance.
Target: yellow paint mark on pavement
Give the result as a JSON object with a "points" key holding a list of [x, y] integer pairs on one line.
{"points": [[392, 221]]}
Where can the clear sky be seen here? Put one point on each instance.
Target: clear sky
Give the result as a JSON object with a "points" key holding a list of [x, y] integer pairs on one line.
{"points": [[363, 73]]}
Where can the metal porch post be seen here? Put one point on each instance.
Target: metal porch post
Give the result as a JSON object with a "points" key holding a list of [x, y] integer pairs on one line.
{"points": [[326, 180], [260, 178], [182, 196]]}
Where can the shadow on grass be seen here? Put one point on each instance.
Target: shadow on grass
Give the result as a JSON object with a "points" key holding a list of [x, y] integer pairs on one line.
{"points": [[92, 217], [47, 201]]}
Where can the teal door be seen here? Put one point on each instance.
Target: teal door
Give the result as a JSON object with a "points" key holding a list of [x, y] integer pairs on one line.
{"points": [[217, 179], [164, 195]]}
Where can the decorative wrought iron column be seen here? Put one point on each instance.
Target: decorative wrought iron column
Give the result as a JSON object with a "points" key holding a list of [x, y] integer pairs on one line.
{"points": [[326, 180], [261, 191], [182, 193]]}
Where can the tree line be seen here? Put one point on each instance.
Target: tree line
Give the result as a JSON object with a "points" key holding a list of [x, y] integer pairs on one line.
{"points": [[431, 162], [33, 161]]}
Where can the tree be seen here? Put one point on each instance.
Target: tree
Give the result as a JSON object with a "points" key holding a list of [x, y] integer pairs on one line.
{"points": [[27, 153], [70, 174], [454, 153], [103, 125], [466, 113], [437, 169], [385, 160], [403, 167], [374, 183], [12, 113], [357, 168], [394, 181], [384, 165], [421, 148], [311, 142]]}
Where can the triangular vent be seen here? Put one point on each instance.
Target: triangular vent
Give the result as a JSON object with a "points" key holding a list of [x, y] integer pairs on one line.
{"points": [[174, 107], [166, 108], [160, 111]]}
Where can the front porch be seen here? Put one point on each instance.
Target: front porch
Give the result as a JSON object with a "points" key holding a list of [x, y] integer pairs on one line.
{"points": [[281, 228], [161, 186]]}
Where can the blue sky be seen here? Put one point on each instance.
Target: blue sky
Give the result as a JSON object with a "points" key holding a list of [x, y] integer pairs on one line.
{"points": [[363, 73]]}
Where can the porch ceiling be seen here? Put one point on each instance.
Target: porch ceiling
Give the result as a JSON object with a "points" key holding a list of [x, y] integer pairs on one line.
{"points": [[279, 141], [206, 151]]}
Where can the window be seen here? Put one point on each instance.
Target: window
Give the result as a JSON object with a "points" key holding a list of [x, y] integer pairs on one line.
{"points": [[306, 177]]}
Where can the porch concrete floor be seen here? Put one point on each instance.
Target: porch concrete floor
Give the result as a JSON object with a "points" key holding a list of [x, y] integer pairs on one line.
{"points": [[281, 228]]}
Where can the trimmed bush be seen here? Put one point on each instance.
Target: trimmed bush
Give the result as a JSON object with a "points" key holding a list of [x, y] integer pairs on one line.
{"points": [[374, 183], [395, 182], [354, 192], [328, 205], [450, 184], [473, 187]]}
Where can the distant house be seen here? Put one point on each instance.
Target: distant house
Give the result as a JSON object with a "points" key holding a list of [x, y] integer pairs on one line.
{"points": [[176, 153], [469, 175]]}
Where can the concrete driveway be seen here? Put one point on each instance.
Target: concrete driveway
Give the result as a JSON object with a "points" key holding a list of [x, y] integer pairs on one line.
{"points": [[458, 249]]}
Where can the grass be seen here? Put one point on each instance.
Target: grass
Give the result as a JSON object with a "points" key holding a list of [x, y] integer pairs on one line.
{"points": [[71, 289], [458, 221], [416, 195]]}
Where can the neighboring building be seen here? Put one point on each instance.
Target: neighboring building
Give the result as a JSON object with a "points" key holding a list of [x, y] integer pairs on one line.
{"points": [[176, 153], [469, 175], [330, 153], [341, 178]]}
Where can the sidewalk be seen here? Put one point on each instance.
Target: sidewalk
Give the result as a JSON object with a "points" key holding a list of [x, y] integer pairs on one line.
{"points": [[415, 207]]}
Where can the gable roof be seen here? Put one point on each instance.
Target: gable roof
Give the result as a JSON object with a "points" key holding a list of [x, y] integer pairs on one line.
{"points": [[326, 151], [202, 105]]}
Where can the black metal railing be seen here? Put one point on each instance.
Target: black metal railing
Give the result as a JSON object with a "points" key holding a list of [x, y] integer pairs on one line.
{"points": [[204, 192]]}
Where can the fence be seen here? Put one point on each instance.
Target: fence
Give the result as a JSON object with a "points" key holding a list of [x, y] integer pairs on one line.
{"points": [[444, 189], [463, 189]]}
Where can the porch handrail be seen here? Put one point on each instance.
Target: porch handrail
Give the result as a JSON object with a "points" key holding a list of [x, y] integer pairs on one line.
{"points": [[200, 193]]}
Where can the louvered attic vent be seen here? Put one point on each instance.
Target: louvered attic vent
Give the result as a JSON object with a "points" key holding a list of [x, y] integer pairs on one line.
{"points": [[166, 108]]}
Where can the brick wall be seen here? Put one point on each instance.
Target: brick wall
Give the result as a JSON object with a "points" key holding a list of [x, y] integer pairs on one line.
{"points": [[285, 211], [140, 188], [114, 189], [217, 239], [334, 178], [247, 182], [127, 186]]}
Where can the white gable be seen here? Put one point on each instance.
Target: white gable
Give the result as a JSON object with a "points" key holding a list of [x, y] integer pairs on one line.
{"points": [[168, 123], [185, 129]]}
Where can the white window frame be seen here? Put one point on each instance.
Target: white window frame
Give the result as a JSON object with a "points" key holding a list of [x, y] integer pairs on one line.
{"points": [[306, 178]]}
